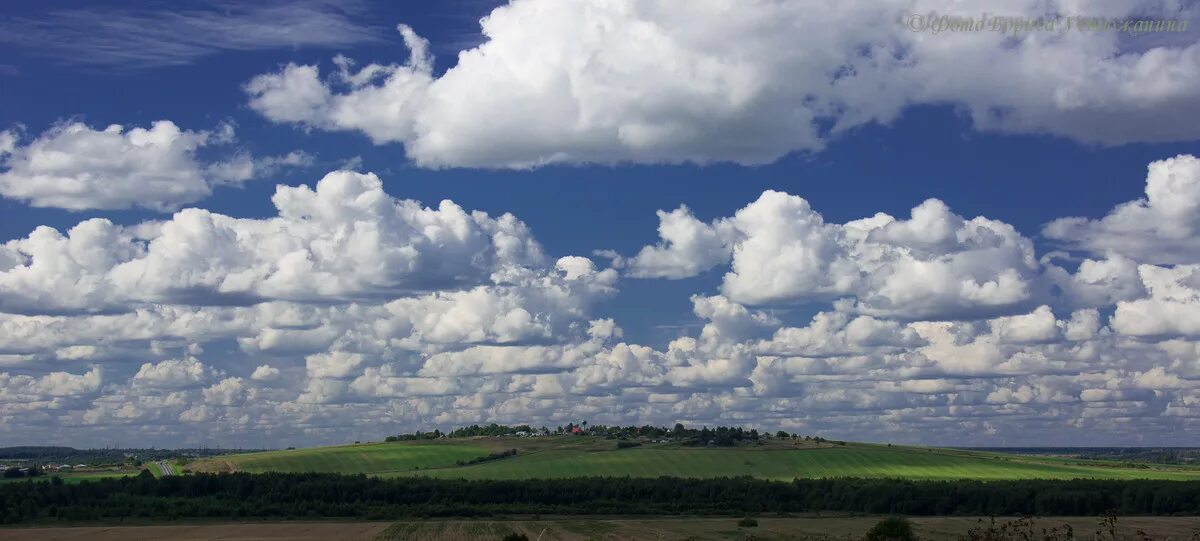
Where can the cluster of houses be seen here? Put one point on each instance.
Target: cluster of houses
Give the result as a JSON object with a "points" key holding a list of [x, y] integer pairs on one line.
{"points": [[60, 467]]}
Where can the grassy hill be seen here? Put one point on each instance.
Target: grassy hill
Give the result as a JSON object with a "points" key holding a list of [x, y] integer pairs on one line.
{"points": [[579, 456], [376, 458]]}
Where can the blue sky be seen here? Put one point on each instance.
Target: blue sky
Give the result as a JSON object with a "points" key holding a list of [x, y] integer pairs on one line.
{"points": [[1029, 169]]}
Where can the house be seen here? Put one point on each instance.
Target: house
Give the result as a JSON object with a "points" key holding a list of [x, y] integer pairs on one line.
{"points": [[576, 430]]}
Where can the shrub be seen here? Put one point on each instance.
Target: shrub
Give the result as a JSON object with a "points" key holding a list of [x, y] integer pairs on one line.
{"points": [[891, 529], [748, 523], [514, 536]]}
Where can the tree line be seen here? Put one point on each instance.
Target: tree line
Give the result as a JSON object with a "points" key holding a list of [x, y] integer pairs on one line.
{"points": [[95, 457], [724, 436], [313, 495]]}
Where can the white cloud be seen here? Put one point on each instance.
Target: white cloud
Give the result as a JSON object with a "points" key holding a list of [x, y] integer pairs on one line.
{"points": [[265, 372], [785, 251], [837, 333], [333, 365], [1098, 282], [227, 392], [934, 265], [409, 316], [23, 388], [243, 166], [8, 143], [173, 373], [75, 167], [566, 82], [346, 239], [1084, 325], [384, 111], [688, 247], [1038, 326], [1162, 228], [1172, 307]]}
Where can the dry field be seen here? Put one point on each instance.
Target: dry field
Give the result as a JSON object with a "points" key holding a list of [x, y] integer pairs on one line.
{"points": [[932, 528], [279, 531]]}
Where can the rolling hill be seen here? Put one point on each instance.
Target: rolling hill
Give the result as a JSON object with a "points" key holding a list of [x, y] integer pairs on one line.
{"points": [[379, 458], [582, 456]]}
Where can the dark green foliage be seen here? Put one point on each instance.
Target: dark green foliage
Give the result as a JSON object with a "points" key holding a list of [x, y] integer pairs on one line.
{"points": [[418, 435], [15, 472], [747, 522], [627, 444], [1124, 456], [720, 436], [70, 455], [891, 529], [296, 495], [489, 430], [488, 458]]}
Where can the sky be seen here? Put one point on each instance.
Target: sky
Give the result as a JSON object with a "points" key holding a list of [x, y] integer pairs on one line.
{"points": [[311, 223]]}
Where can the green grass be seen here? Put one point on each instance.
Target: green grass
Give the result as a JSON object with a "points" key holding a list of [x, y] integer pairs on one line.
{"points": [[782, 464], [580, 456], [95, 476], [74, 477], [373, 458]]}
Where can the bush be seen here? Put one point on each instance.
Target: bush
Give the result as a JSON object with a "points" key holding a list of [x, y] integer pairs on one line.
{"points": [[748, 523], [493, 456], [627, 444], [891, 529], [514, 536]]}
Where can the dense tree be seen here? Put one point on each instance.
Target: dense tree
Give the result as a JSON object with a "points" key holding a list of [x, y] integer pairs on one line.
{"points": [[720, 436], [891, 529], [297, 495]]}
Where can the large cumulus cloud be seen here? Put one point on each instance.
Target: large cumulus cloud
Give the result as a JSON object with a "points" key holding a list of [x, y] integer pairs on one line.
{"points": [[345, 239], [935, 264], [1163, 227], [643, 81]]}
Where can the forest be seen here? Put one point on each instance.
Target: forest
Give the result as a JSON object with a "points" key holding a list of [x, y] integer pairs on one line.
{"points": [[94, 457], [301, 495], [720, 436]]}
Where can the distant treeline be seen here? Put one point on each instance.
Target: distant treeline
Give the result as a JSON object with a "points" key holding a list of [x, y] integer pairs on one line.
{"points": [[721, 435], [72, 456], [1149, 455], [311, 495]]}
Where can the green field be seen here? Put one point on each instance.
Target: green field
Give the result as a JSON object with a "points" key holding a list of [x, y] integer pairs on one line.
{"points": [[375, 458], [785, 465], [75, 477], [559, 457]]}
